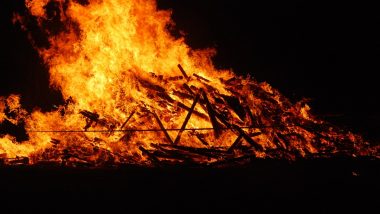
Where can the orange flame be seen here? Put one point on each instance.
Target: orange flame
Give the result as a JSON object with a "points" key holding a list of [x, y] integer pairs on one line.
{"points": [[117, 66]]}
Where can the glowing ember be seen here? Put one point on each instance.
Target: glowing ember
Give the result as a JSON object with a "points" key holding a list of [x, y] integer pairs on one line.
{"points": [[135, 94]]}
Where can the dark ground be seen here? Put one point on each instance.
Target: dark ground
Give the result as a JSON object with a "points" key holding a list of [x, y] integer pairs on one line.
{"points": [[314, 186]]}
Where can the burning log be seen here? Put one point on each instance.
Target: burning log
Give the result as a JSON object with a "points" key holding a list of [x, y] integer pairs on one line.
{"points": [[94, 119], [211, 114], [195, 112], [201, 78], [176, 78], [201, 139], [247, 138], [90, 115], [207, 152], [55, 141], [126, 121], [283, 139], [18, 161], [182, 95], [183, 72], [251, 117], [90, 118], [152, 157], [235, 144], [176, 141], [233, 161], [149, 85], [162, 127], [166, 97], [171, 154], [188, 89]]}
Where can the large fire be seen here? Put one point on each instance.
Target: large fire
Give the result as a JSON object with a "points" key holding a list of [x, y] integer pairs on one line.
{"points": [[137, 95]]}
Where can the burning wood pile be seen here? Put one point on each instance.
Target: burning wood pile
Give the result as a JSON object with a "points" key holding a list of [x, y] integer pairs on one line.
{"points": [[128, 101], [258, 124]]}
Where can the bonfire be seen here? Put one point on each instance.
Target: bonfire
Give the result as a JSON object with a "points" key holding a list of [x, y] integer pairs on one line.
{"points": [[135, 94]]}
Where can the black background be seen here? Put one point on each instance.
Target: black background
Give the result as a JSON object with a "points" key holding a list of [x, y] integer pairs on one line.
{"points": [[324, 50]]}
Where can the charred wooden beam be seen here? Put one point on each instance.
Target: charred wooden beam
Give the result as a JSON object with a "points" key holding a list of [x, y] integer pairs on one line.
{"points": [[201, 78], [240, 131], [222, 119], [282, 138], [233, 160], [90, 115], [235, 144], [90, 118], [55, 141], [176, 141], [152, 86], [251, 117], [216, 150], [256, 145], [201, 139], [188, 89], [170, 153], [211, 114], [183, 95], [210, 88], [232, 91], [175, 78], [18, 161], [126, 121], [162, 127], [183, 72], [152, 157], [166, 97], [195, 112], [207, 152], [254, 134]]}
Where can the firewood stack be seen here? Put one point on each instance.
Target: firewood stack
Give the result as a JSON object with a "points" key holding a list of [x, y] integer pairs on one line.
{"points": [[251, 121]]}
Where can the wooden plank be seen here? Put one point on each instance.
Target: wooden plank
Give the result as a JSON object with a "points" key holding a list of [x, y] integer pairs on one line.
{"points": [[152, 157], [188, 89], [201, 78], [235, 144], [162, 127], [256, 145], [178, 138], [183, 72], [207, 152], [211, 114], [196, 113], [126, 121], [240, 131], [202, 140], [251, 117], [152, 86]]}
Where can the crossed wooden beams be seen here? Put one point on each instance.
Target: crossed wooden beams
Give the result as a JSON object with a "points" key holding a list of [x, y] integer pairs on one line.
{"points": [[217, 120]]}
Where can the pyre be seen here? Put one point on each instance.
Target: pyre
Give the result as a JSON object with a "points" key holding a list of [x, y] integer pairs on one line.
{"points": [[136, 94]]}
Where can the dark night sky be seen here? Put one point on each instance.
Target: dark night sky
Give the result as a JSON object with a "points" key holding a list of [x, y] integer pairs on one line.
{"points": [[324, 50]]}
